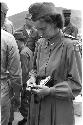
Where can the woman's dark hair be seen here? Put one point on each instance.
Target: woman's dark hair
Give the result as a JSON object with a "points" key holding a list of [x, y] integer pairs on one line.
{"points": [[56, 19]]}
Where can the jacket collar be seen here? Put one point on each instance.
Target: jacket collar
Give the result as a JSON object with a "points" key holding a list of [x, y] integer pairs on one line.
{"points": [[56, 39]]}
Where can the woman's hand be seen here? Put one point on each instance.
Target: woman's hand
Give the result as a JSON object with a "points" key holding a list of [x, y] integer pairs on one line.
{"points": [[31, 81], [41, 90]]}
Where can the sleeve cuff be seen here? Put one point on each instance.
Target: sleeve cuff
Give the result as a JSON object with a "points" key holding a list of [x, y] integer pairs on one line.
{"points": [[52, 90]]}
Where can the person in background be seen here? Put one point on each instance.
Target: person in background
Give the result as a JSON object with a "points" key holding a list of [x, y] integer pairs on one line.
{"points": [[26, 57], [58, 59], [69, 28], [30, 32], [26, 27], [8, 26], [11, 73], [33, 33]]}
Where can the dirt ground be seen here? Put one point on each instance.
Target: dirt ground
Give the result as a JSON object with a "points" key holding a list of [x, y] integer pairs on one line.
{"points": [[77, 112], [18, 117]]}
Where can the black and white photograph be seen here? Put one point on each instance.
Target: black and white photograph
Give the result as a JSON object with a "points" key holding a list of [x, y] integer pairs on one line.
{"points": [[41, 62]]}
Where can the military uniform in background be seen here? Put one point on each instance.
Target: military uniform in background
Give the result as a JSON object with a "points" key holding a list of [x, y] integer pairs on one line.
{"points": [[33, 38], [26, 58], [11, 75], [69, 28], [31, 34], [26, 61], [8, 26]]}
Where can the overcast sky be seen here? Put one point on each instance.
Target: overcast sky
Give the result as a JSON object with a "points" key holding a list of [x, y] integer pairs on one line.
{"points": [[16, 6]]}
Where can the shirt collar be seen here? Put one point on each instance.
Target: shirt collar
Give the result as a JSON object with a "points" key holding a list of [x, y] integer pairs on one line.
{"points": [[56, 39]]}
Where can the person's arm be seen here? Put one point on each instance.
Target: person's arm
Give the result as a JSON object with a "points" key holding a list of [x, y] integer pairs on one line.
{"points": [[72, 86], [25, 64], [14, 66]]}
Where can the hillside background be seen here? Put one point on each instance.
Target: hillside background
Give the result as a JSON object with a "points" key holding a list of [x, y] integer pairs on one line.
{"points": [[19, 18]]}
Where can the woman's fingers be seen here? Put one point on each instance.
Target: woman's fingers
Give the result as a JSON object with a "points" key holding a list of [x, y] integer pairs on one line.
{"points": [[38, 86], [35, 91]]}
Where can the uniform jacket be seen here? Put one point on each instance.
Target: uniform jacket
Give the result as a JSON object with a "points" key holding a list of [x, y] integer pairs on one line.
{"points": [[71, 30], [10, 66], [26, 57], [31, 35], [23, 29], [60, 59]]}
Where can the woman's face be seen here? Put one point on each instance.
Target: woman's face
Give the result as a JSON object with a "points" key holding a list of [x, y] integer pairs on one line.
{"points": [[45, 29]]}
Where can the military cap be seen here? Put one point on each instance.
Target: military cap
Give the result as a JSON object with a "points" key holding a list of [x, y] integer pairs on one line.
{"points": [[19, 36], [4, 7], [38, 10], [67, 11]]}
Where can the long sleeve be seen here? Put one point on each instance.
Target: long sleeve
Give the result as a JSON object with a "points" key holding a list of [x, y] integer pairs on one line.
{"points": [[71, 86], [14, 65], [25, 61]]}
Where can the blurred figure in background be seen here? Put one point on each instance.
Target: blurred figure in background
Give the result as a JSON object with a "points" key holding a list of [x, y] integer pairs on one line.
{"points": [[69, 28], [26, 27], [33, 33], [11, 73], [30, 32], [26, 57]]}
